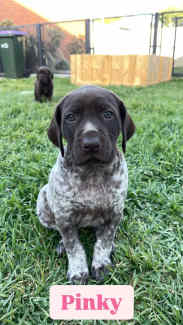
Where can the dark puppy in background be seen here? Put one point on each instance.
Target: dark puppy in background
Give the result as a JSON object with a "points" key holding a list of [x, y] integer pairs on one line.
{"points": [[88, 184], [44, 84]]}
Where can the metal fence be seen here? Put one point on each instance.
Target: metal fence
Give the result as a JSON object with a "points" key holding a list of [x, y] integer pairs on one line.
{"points": [[52, 43], [168, 33], [145, 34], [177, 48]]}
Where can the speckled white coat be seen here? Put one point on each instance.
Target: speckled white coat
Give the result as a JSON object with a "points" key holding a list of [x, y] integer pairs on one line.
{"points": [[82, 196]]}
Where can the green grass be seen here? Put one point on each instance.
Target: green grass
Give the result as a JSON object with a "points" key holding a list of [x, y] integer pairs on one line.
{"points": [[150, 238]]}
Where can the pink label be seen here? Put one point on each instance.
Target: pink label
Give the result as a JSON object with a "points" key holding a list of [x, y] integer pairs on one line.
{"points": [[91, 302]]}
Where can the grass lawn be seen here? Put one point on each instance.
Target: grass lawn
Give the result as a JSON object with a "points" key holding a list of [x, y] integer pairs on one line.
{"points": [[149, 243]]}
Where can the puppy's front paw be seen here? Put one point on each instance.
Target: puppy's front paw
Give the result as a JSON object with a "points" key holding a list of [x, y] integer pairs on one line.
{"points": [[77, 274], [78, 278], [100, 270]]}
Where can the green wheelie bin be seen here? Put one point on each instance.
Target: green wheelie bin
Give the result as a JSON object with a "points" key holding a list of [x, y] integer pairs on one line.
{"points": [[12, 53]]}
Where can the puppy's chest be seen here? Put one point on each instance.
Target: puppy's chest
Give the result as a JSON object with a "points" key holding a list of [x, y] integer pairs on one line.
{"points": [[91, 198], [94, 192]]}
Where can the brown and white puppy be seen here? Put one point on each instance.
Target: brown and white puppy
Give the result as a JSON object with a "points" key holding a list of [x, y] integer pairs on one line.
{"points": [[88, 184], [44, 84]]}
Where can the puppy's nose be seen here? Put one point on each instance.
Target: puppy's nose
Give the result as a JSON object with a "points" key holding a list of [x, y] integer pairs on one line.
{"points": [[91, 143]]}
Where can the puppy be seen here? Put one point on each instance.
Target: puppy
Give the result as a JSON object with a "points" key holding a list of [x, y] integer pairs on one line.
{"points": [[88, 184], [43, 84]]}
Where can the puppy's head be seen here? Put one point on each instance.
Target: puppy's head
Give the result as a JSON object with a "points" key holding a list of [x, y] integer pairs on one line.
{"points": [[90, 119], [44, 75]]}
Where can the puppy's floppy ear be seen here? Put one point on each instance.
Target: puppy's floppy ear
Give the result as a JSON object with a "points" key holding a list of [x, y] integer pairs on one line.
{"points": [[54, 130], [49, 73], [127, 125]]}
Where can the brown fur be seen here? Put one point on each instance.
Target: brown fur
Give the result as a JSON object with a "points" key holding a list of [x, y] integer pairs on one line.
{"points": [[44, 84]]}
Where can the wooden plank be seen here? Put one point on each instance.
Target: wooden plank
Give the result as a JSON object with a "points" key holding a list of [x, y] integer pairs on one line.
{"points": [[73, 65], [119, 70], [165, 69], [101, 69], [170, 66], [88, 68], [151, 71], [140, 73], [132, 69], [161, 69], [124, 71], [77, 69], [83, 69]]}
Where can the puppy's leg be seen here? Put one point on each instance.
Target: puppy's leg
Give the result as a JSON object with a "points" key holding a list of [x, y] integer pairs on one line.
{"points": [[50, 93], [103, 249], [46, 217], [78, 268], [36, 93]]}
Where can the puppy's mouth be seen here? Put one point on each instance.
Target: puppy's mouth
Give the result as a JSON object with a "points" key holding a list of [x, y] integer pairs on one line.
{"points": [[93, 160]]}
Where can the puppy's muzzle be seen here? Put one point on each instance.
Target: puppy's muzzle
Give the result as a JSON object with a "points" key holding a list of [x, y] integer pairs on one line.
{"points": [[91, 142]]}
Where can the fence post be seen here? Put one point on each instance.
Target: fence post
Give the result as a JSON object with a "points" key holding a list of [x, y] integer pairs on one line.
{"points": [[39, 42], [174, 45], [155, 33], [87, 36]]}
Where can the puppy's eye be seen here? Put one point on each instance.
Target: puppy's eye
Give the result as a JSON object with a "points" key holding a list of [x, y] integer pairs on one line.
{"points": [[70, 117], [108, 114]]}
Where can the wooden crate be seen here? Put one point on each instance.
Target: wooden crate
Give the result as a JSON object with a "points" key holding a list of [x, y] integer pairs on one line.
{"points": [[129, 70]]}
